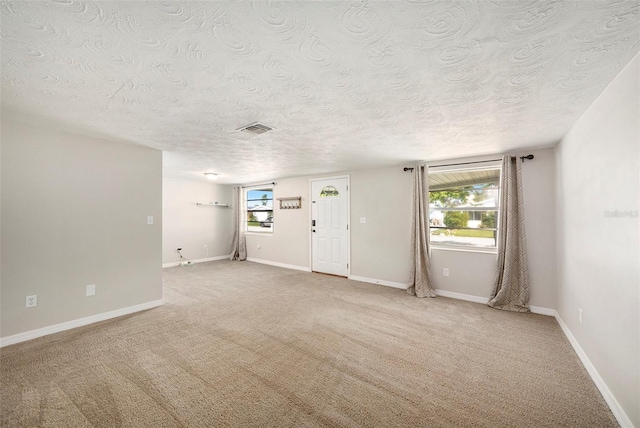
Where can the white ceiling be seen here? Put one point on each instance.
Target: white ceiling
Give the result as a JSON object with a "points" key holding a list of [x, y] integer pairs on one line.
{"points": [[346, 85]]}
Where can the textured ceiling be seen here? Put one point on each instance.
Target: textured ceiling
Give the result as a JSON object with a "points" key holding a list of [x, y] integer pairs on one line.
{"points": [[344, 85]]}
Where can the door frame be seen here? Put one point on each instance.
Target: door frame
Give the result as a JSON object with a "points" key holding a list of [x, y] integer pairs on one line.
{"points": [[311, 180]]}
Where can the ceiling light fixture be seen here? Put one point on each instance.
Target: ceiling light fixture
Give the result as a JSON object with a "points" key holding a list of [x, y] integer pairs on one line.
{"points": [[211, 176]]}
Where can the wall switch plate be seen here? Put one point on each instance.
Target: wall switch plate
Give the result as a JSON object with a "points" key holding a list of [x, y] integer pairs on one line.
{"points": [[149, 219], [445, 271], [363, 220], [205, 247], [32, 301], [91, 290], [580, 315]]}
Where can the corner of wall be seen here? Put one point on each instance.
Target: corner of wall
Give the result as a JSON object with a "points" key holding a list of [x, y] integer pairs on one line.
{"points": [[598, 231]]}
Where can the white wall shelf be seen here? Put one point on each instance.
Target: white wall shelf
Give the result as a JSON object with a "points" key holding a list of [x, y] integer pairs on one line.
{"points": [[213, 204]]}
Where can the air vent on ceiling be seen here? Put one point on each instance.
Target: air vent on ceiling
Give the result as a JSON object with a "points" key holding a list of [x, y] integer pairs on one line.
{"points": [[255, 128]]}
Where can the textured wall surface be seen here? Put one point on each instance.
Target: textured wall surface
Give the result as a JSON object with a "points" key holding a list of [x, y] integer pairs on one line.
{"points": [[345, 85]]}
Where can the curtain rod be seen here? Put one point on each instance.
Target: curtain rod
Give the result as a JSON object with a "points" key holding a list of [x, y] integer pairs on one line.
{"points": [[258, 185], [522, 158], [455, 164]]}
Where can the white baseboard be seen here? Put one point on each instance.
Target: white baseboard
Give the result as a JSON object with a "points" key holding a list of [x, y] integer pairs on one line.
{"points": [[460, 296], [613, 404], [282, 265], [208, 259], [542, 311], [484, 300], [28, 335], [379, 282]]}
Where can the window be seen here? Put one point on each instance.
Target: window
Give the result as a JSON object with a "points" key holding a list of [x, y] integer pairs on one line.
{"points": [[329, 192], [463, 205], [259, 209]]}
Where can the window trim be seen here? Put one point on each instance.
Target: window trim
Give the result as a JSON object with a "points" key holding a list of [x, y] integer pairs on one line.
{"points": [[461, 167], [245, 200]]}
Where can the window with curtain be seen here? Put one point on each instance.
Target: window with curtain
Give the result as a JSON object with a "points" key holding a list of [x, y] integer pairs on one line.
{"points": [[463, 206], [259, 207]]}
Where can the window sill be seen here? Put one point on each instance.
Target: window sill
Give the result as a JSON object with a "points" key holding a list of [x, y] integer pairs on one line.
{"points": [[464, 249], [260, 233]]}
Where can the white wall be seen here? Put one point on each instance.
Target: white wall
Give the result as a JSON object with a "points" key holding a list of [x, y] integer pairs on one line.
{"points": [[189, 226], [74, 213], [380, 247], [598, 256], [289, 243]]}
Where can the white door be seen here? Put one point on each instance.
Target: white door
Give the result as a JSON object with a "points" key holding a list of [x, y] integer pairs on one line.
{"points": [[330, 226]]}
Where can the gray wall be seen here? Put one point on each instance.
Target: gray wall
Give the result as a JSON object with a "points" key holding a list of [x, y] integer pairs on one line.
{"points": [[189, 226], [598, 254], [380, 247], [474, 273], [74, 213]]}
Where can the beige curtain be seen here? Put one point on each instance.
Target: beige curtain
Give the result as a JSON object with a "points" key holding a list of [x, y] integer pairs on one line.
{"points": [[238, 241], [511, 289], [420, 281]]}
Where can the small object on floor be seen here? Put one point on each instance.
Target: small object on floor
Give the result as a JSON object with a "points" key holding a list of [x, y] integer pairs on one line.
{"points": [[183, 261]]}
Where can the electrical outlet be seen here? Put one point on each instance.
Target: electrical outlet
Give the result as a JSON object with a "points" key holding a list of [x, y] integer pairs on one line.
{"points": [[580, 315], [91, 290], [445, 271], [149, 219], [32, 301]]}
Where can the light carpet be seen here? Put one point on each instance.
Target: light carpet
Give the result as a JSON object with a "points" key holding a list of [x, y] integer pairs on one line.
{"points": [[238, 344]]}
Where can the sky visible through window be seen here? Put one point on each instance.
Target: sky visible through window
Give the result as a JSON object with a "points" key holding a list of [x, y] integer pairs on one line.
{"points": [[260, 210], [257, 197]]}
